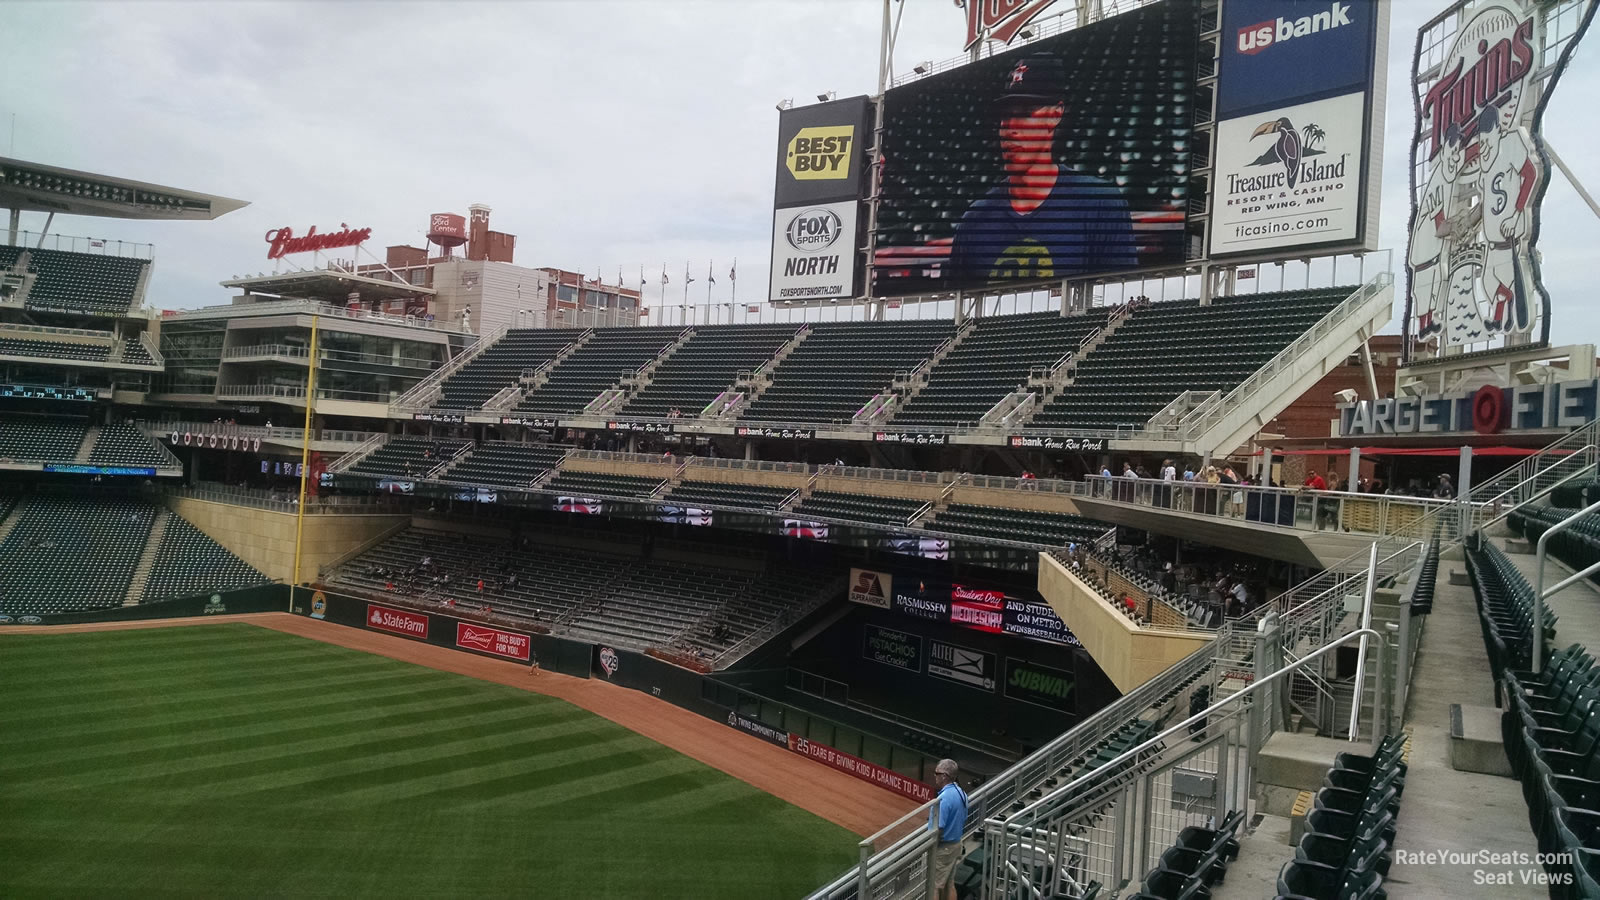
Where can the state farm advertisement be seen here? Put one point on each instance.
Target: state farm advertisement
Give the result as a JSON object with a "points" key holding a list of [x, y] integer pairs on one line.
{"points": [[397, 621], [492, 640], [860, 768], [977, 609]]}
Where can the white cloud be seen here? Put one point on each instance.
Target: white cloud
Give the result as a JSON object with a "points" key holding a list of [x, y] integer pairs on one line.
{"points": [[602, 133]]}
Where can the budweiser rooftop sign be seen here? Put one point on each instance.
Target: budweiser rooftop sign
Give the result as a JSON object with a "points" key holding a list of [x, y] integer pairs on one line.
{"points": [[999, 20], [282, 241]]}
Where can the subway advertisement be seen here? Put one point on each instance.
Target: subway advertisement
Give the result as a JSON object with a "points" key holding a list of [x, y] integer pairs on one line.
{"points": [[1066, 158]]}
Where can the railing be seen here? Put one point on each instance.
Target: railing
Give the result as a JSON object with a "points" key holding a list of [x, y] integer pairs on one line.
{"points": [[286, 501], [360, 453], [90, 245], [607, 399], [423, 392], [884, 854], [1110, 824], [51, 330], [151, 349], [168, 427], [1203, 418], [267, 350], [297, 392], [503, 398], [1301, 509], [304, 307]]}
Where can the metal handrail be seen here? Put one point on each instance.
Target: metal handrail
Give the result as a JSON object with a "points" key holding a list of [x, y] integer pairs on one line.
{"points": [[1540, 594], [427, 387], [1208, 414], [106, 336], [310, 307]]}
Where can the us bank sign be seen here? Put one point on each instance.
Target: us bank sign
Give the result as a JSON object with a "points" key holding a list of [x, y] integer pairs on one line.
{"points": [[1487, 410]]}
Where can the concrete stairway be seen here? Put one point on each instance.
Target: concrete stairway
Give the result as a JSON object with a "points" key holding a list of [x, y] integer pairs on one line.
{"points": [[147, 559], [90, 438]]}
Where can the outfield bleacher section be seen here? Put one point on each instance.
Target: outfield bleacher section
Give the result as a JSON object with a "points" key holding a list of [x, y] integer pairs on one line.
{"points": [[871, 510], [842, 365], [26, 438], [407, 457], [603, 361], [503, 464], [188, 563], [1025, 526], [587, 484], [498, 367], [1345, 848], [615, 597], [66, 351], [122, 444], [992, 361], [72, 553], [1164, 349], [708, 364], [82, 283], [710, 493]]}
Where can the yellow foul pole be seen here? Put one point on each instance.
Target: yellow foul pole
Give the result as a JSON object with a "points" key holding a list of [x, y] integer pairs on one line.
{"points": [[305, 462]]}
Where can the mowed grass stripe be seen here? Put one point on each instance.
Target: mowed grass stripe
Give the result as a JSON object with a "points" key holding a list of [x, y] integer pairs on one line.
{"points": [[199, 683], [83, 675], [261, 740], [250, 764], [180, 717], [193, 696]]}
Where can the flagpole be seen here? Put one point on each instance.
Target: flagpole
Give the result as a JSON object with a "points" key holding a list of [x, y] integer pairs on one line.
{"points": [[711, 284]]}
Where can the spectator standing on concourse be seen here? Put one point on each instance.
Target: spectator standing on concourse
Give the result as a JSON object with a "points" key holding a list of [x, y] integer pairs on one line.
{"points": [[951, 825]]}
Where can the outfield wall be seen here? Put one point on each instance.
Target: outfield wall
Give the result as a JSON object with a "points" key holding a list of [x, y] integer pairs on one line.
{"points": [[871, 758], [263, 598], [264, 538]]}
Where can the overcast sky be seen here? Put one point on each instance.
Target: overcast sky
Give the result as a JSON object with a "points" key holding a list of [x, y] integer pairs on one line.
{"points": [[602, 133]]}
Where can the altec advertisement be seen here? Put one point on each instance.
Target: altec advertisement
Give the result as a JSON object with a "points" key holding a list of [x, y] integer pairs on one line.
{"points": [[1296, 154], [492, 640], [822, 161], [397, 621]]}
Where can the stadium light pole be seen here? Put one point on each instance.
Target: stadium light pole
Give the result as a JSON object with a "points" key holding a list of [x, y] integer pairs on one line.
{"points": [[305, 462]]}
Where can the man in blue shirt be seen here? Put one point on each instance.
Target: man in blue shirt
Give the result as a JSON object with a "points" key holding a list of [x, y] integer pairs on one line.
{"points": [[1045, 221], [952, 823]]}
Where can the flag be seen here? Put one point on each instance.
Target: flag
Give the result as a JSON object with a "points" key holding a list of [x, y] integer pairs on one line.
{"points": [[733, 273], [687, 278], [710, 274], [663, 273], [641, 279]]}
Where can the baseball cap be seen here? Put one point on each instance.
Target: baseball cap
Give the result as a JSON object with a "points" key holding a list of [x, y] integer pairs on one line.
{"points": [[1036, 77]]}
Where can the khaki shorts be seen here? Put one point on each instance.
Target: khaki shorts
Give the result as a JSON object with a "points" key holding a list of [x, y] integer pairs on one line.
{"points": [[945, 858]]}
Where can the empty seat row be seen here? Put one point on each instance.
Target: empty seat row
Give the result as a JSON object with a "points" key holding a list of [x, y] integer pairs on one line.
{"points": [[1025, 526], [586, 484], [858, 508], [26, 438], [188, 563], [54, 349], [842, 365], [407, 457], [501, 464], [600, 363], [121, 444], [709, 493], [1196, 860], [498, 367], [708, 364], [1345, 850], [1164, 349], [70, 553], [88, 283]]}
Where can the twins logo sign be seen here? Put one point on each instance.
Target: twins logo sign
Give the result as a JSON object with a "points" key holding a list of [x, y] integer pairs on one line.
{"points": [[1474, 219]]}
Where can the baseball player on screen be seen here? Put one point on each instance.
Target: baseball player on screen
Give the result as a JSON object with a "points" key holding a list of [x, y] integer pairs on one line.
{"points": [[1045, 220]]}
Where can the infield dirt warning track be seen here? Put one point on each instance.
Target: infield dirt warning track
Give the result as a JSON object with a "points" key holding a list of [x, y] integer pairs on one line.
{"points": [[839, 798]]}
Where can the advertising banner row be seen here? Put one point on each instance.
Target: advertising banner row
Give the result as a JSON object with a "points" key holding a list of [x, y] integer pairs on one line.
{"points": [[838, 759], [1020, 679], [978, 609]]}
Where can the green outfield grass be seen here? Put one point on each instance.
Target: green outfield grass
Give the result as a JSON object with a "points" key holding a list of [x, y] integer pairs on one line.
{"points": [[233, 760]]}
